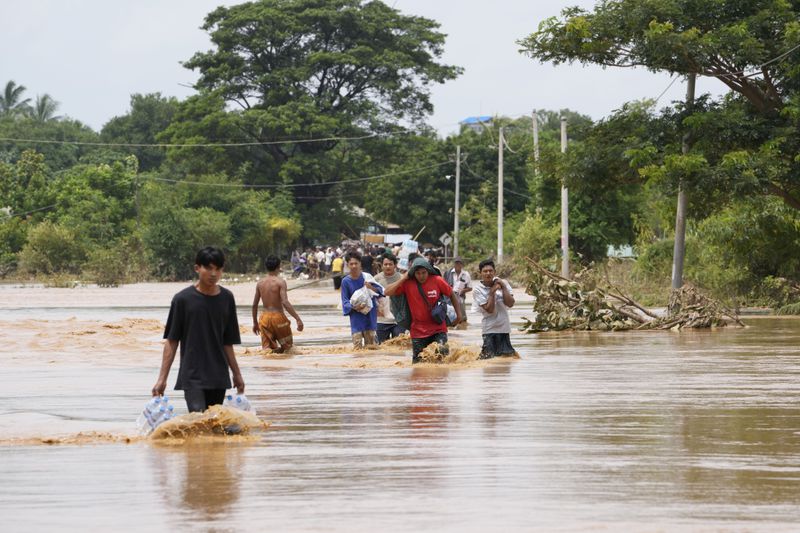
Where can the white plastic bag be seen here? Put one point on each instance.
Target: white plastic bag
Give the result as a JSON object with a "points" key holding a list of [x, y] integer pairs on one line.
{"points": [[451, 313], [362, 296], [385, 308]]}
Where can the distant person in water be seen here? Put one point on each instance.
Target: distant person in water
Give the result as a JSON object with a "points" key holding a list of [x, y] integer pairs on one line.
{"points": [[388, 306], [363, 326], [202, 320], [273, 326], [492, 298]]}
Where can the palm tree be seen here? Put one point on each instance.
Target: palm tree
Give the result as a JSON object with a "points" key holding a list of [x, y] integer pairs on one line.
{"points": [[11, 102], [44, 109]]}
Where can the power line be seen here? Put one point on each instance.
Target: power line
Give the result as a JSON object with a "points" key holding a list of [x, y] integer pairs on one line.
{"points": [[674, 79], [12, 215], [754, 71], [281, 185], [200, 145]]}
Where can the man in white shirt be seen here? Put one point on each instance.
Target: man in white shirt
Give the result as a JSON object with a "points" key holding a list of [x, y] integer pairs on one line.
{"points": [[461, 282], [492, 298], [320, 256]]}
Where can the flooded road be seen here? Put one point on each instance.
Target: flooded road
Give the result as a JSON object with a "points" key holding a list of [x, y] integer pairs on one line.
{"points": [[645, 431]]}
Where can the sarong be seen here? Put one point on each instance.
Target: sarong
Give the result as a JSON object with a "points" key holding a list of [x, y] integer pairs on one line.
{"points": [[275, 330]]}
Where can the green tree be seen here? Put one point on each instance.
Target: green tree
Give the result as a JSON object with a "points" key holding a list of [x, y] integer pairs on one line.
{"points": [[149, 115], [11, 102], [305, 69], [752, 47], [44, 109]]}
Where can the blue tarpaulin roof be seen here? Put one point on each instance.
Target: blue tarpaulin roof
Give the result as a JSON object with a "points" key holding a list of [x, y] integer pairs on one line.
{"points": [[476, 120]]}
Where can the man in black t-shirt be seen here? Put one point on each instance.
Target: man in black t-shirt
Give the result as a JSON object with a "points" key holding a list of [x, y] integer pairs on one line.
{"points": [[202, 319]]}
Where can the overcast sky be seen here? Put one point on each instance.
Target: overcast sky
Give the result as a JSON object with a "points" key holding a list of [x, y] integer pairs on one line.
{"points": [[91, 55]]}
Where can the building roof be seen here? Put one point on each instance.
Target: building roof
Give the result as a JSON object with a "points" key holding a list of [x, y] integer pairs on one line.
{"points": [[476, 120]]}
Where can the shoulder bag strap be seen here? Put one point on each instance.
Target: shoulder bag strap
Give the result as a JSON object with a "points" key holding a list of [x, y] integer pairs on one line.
{"points": [[421, 293]]}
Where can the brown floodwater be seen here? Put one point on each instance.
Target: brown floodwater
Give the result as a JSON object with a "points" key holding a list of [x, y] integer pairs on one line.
{"points": [[637, 431]]}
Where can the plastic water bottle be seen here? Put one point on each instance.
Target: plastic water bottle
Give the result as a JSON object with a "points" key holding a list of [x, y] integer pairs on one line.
{"points": [[240, 402], [156, 411]]}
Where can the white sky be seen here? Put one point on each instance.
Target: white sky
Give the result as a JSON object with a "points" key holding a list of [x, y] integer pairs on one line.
{"points": [[91, 55]]}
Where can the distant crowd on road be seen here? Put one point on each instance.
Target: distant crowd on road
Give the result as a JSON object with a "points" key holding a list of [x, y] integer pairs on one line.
{"points": [[382, 302]]}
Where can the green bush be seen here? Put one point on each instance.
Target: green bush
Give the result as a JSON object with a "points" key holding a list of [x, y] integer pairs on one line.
{"points": [[13, 234], [107, 267], [173, 235], [537, 239], [52, 249]]}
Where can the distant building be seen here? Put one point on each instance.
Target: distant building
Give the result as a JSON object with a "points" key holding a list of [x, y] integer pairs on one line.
{"points": [[621, 252], [476, 124]]}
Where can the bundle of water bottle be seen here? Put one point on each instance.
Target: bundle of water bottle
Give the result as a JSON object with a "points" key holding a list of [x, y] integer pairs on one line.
{"points": [[158, 410]]}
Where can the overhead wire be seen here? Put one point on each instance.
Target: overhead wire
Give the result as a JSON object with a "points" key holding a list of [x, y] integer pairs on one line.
{"points": [[289, 185], [194, 145], [12, 215]]}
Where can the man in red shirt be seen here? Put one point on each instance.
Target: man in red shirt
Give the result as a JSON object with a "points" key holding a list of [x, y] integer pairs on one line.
{"points": [[422, 289]]}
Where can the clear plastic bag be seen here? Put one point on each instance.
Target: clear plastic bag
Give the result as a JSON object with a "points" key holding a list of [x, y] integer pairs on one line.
{"points": [[156, 411], [239, 401]]}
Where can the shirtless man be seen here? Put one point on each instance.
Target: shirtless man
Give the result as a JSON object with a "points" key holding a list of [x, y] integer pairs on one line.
{"points": [[273, 326]]}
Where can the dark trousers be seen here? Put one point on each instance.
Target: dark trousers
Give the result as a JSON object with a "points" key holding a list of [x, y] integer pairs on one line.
{"points": [[387, 331], [337, 281], [198, 400], [417, 345]]}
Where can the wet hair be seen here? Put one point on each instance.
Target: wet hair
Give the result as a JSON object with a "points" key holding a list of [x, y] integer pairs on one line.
{"points": [[352, 255], [486, 262], [412, 256], [390, 257], [210, 256], [272, 263]]}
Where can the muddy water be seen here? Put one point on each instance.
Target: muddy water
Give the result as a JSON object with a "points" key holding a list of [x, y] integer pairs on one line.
{"points": [[652, 431]]}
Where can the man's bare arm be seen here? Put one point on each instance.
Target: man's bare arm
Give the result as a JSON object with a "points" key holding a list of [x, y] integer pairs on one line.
{"points": [[238, 381], [167, 357], [289, 307], [490, 302], [508, 298], [256, 300]]}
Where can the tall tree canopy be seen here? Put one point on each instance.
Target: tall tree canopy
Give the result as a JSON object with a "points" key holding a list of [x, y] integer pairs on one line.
{"points": [[307, 69], [751, 46]]}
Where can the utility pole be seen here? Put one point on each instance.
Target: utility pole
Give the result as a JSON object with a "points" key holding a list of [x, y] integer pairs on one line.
{"points": [[500, 142], [535, 119], [679, 251], [564, 209], [458, 198]]}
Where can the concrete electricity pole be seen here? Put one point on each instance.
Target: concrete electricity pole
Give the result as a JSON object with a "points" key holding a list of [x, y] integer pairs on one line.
{"points": [[564, 209], [679, 251], [500, 142], [458, 198], [535, 118]]}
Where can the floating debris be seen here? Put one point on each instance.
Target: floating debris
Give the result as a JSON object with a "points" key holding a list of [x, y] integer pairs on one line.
{"points": [[587, 303]]}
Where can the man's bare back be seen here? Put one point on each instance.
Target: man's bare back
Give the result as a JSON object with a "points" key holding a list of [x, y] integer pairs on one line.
{"points": [[271, 292]]}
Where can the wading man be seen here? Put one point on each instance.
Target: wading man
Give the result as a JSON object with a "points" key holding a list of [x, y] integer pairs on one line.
{"points": [[388, 307], [273, 326], [422, 289], [202, 320], [492, 298], [362, 325]]}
